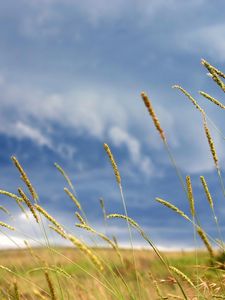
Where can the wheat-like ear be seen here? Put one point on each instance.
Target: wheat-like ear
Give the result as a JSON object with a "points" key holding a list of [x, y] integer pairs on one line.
{"points": [[211, 68], [211, 143], [16, 290], [73, 198], [85, 249], [207, 192], [25, 178], [11, 195], [48, 216], [128, 219], [80, 218], [215, 101], [190, 195], [205, 240], [102, 236], [173, 207], [217, 80], [152, 113], [189, 97], [64, 174], [214, 73], [28, 203], [50, 285], [60, 232], [182, 275], [113, 163], [6, 226]]}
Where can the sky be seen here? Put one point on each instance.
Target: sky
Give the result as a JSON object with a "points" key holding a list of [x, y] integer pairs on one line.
{"points": [[71, 74]]}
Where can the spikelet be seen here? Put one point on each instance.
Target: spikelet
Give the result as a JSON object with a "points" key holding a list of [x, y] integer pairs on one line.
{"points": [[182, 275], [5, 210], [83, 248], [48, 216], [16, 290], [28, 203], [6, 225], [151, 111], [189, 97], [205, 240], [173, 207], [190, 195], [128, 219], [11, 195], [25, 178], [60, 232], [114, 165], [101, 235], [73, 198], [217, 80], [207, 192], [215, 101], [211, 144], [80, 218], [50, 285], [211, 68], [64, 174]]}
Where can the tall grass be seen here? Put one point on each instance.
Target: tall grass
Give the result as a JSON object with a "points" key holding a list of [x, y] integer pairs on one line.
{"points": [[110, 272]]}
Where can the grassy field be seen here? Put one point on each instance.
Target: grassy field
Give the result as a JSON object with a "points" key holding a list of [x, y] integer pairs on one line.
{"points": [[84, 272], [85, 282]]}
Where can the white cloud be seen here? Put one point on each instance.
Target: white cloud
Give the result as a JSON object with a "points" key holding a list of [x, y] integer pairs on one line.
{"points": [[207, 39], [22, 130], [120, 137], [102, 111]]}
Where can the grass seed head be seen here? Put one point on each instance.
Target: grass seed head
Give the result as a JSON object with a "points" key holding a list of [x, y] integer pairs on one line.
{"points": [[48, 216], [211, 143], [205, 240], [189, 97], [83, 248], [73, 198], [190, 195], [173, 207], [215, 101], [182, 275], [207, 192], [6, 226], [152, 113], [29, 204], [25, 178], [113, 163], [50, 286]]}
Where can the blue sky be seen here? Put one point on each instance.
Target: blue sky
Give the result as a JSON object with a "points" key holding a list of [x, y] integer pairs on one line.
{"points": [[71, 74]]}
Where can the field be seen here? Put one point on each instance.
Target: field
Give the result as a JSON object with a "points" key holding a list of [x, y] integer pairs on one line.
{"points": [[87, 272], [72, 282]]}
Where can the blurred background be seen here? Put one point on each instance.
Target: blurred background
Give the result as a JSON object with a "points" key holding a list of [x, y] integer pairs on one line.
{"points": [[71, 74]]}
